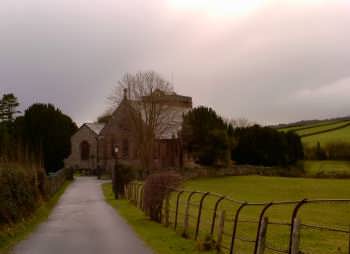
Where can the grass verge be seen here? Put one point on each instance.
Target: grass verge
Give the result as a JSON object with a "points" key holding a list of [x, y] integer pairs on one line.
{"points": [[161, 239], [11, 235]]}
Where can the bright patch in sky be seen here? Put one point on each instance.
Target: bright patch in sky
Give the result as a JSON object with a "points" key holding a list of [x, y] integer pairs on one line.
{"points": [[218, 8]]}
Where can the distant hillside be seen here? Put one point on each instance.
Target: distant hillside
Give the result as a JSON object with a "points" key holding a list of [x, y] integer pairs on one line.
{"points": [[309, 122], [321, 131]]}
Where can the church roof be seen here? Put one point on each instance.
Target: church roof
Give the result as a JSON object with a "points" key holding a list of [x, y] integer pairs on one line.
{"points": [[95, 127]]}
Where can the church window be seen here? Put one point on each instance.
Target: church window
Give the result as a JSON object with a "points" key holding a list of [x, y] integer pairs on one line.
{"points": [[84, 150], [125, 148]]}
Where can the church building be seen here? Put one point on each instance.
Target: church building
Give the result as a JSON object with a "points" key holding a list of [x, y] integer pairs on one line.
{"points": [[99, 145]]}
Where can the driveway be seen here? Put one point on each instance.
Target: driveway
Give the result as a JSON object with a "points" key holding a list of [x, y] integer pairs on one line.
{"points": [[82, 222]]}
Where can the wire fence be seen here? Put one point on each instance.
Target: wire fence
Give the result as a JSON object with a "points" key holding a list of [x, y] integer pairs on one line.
{"points": [[305, 226]]}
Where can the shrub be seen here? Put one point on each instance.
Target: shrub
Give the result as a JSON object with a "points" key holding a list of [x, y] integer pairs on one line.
{"points": [[124, 174], [157, 187], [19, 194]]}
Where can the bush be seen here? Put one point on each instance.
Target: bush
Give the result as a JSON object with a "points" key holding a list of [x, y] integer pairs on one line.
{"points": [[156, 188], [19, 193], [124, 174]]}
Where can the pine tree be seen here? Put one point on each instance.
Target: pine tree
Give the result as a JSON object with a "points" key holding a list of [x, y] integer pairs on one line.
{"points": [[8, 107]]}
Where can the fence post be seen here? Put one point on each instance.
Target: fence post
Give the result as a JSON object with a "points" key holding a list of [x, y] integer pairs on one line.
{"points": [[177, 207], [167, 203], [261, 218], [235, 225], [141, 198], [213, 220], [187, 214], [221, 229], [262, 236], [200, 214], [125, 191], [294, 216], [296, 236]]}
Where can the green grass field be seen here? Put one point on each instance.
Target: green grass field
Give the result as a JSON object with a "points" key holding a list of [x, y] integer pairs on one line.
{"points": [[341, 135], [308, 126], [313, 168], [321, 128], [265, 189]]}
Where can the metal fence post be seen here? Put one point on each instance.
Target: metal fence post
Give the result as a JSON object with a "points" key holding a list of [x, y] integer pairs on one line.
{"points": [[200, 214], [261, 218], [221, 229], [213, 220], [235, 226], [294, 215], [177, 208], [187, 214], [262, 236], [296, 236]]}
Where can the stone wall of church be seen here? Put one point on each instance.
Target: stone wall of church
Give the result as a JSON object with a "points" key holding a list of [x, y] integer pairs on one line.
{"points": [[117, 133], [88, 160]]}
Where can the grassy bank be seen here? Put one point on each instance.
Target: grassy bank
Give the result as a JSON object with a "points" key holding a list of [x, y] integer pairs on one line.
{"points": [[11, 235], [161, 239]]}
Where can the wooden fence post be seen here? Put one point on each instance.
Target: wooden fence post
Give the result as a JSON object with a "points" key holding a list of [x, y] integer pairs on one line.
{"points": [[262, 236], [221, 229], [125, 191], [296, 236]]}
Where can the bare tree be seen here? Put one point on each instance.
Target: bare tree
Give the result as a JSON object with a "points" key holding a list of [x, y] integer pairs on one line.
{"points": [[239, 122], [151, 114]]}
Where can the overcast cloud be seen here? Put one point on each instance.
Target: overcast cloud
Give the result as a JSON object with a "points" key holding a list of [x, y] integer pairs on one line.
{"points": [[268, 61]]}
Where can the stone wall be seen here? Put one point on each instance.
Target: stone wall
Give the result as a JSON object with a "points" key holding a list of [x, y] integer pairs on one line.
{"points": [[74, 160]]}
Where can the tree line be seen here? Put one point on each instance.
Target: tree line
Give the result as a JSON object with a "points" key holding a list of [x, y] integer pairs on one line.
{"points": [[213, 141], [41, 134]]}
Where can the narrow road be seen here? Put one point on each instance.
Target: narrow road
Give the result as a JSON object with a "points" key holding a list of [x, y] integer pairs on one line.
{"points": [[82, 222]]}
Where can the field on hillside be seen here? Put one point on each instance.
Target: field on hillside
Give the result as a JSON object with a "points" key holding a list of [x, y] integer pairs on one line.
{"points": [[313, 168], [266, 189], [341, 135], [338, 135], [308, 126]]}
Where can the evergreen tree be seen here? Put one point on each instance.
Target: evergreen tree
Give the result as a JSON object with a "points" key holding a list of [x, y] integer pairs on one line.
{"points": [[8, 107]]}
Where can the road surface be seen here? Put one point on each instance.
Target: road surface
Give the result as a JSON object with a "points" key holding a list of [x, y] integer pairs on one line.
{"points": [[82, 222]]}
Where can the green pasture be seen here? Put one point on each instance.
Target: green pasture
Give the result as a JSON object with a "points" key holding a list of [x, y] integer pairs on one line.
{"points": [[313, 168], [267, 189], [321, 128], [309, 126], [341, 135]]}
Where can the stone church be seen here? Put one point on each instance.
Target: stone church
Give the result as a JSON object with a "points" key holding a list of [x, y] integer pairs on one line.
{"points": [[99, 145]]}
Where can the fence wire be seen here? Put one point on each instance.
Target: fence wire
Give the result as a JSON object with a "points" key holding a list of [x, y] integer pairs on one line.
{"points": [[302, 226]]}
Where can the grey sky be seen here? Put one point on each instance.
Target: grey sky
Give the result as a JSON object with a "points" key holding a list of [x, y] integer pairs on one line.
{"points": [[269, 61]]}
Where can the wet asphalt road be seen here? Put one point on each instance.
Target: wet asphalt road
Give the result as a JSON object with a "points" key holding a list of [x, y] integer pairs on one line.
{"points": [[82, 222]]}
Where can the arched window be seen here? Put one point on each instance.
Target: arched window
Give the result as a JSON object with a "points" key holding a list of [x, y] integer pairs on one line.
{"points": [[84, 150], [125, 148]]}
